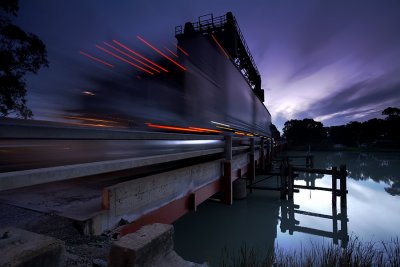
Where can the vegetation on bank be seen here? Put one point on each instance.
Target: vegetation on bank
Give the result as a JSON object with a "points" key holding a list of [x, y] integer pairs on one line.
{"points": [[357, 253], [381, 134]]}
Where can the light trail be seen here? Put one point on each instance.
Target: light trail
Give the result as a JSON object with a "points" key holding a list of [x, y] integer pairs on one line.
{"points": [[171, 52], [205, 130], [220, 46], [139, 55], [126, 54], [123, 59], [182, 50], [96, 59], [88, 93], [173, 128], [161, 53]]}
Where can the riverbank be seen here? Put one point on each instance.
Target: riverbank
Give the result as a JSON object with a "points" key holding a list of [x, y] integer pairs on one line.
{"points": [[357, 253], [81, 250]]}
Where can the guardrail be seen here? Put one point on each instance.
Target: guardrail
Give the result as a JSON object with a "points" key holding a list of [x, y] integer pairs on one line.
{"points": [[39, 131]]}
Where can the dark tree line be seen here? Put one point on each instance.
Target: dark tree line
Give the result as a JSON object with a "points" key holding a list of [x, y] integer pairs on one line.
{"points": [[20, 53], [377, 132], [304, 132], [374, 132]]}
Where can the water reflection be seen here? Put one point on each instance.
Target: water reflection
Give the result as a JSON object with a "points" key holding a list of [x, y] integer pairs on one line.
{"points": [[290, 224], [201, 236], [362, 166], [264, 221]]}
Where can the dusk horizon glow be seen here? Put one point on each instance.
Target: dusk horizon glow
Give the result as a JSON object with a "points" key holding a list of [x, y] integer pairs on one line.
{"points": [[332, 61]]}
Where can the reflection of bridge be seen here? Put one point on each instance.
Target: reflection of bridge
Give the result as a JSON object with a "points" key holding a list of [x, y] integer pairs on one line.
{"points": [[289, 222], [285, 184]]}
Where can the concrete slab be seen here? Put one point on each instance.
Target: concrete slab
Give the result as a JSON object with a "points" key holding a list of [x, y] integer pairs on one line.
{"points": [[22, 248], [152, 245]]}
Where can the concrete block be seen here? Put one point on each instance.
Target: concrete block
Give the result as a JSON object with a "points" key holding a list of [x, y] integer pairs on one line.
{"points": [[151, 246], [145, 247], [22, 248]]}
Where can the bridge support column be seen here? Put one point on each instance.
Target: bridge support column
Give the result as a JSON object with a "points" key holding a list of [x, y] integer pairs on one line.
{"points": [[252, 167], [262, 154], [227, 197]]}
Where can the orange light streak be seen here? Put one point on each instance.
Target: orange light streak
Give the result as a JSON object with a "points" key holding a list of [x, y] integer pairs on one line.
{"points": [[171, 52], [123, 59], [139, 55], [181, 49], [205, 130], [126, 54], [161, 53], [225, 128], [173, 128], [220, 46], [96, 59], [239, 133]]}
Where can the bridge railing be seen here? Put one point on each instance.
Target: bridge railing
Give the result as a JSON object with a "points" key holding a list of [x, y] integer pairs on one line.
{"points": [[18, 132]]}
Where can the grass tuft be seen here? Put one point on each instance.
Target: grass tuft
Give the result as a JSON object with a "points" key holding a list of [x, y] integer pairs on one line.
{"points": [[357, 253]]}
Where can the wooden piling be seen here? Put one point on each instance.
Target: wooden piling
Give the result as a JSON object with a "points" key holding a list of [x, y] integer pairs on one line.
{"points": [[334, 185], [283, 181], [290, 182], [343, 185]]}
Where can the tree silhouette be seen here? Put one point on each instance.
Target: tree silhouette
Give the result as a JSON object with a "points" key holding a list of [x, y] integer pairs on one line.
{"points": [[304, 132], [20, 53], [275, 132]]}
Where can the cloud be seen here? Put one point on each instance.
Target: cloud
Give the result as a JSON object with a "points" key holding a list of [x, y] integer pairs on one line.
{"points": [[362, 100]]}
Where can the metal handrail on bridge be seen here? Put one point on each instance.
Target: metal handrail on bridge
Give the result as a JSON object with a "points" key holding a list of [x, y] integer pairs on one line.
{"points": [[12, 129]]}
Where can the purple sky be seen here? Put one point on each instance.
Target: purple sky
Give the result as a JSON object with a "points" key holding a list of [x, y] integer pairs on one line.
{"points": [[334, 61]]}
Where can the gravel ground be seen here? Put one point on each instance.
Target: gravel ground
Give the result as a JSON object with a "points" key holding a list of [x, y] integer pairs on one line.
{"points": [[81, 250]]}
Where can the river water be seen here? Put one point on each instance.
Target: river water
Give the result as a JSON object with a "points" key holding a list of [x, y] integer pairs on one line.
{"points": [[262, 221]]}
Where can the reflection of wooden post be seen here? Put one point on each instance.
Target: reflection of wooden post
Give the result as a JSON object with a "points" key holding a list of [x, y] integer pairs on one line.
{"points": [[343, 193], [311, 161], [334, 185], [284, 217], [335, 226], [227, 177], [252, 172], [343, 227]]}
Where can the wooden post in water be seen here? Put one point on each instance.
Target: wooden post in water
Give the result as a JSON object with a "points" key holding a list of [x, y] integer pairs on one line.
{"points": [[290, 182], [335, 225], [334, 185], [343, 186], [227, 178], [283, 181], [343, 227]]}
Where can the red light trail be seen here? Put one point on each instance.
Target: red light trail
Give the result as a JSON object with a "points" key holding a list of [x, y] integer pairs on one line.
{"points": [[96, 59], [220, 46], [139, 55], [181, 49], [126, 54], [161, 53], [171, 52], [123, 59]]}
